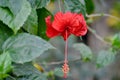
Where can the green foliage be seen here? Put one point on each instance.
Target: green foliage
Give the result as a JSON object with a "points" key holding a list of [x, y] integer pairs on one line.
{"points": [[5, 32], [58, 72], [38, 3], [15, 22], [85, 51], [28, 72], [31, 25], [42, 14], [89, 6], [21, 47], [33, 77], [104, 58], [75, 6], [5, 64], [25, 47], [116, 42], [14, 5]]}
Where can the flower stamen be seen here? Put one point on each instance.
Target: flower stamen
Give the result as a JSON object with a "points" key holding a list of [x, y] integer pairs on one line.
{"points": [[65, 67]]}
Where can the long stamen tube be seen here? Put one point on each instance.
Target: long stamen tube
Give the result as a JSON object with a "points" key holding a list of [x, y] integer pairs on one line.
{"points": [[65, 67]]}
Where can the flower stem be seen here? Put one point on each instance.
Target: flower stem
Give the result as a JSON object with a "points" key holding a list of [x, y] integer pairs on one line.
{"points": [[59, 5]]}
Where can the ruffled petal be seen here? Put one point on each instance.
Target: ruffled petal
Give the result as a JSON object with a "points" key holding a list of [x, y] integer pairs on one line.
{"points": [[67, 17], [74, 21], [81, 29], [50, 32], [59, 22], [81, 32]]}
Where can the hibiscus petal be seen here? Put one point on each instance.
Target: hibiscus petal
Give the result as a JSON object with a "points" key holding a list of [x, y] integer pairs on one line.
{"points": [[59, 22], [73, 20], [51, 32], [81, 32], [81, 29]]}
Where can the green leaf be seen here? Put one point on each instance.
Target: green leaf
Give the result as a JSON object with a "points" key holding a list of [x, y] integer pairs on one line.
{"points": [[14, 5], [5, 64], [42, 14], [25, 47], [28, 71], [58, 72], [31, 25], [75, 6], [5, 32], [38, 3], [24, 69], [85, 51], [15, 22], [33, 77], [104, 58], [89, 6], [116, 41]]}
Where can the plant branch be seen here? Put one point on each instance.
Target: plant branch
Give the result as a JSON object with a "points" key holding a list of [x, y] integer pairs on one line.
{"points": [[97, 36], [103, 14], [60, 62], [94, 32], [59, 1]]}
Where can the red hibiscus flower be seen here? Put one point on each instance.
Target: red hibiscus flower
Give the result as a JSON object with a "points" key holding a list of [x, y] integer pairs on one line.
{"points": [[65, 24]]}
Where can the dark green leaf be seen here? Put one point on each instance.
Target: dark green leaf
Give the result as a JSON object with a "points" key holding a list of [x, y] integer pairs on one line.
{"points": [[5, 32], [116, 41], [14, 5], [15, 22], [31, 25], [85, 51], [42, 14], [25, 47], [5, 64], [105, 58], [28, 71], [38, 3], [89, 6], [75, 6]]}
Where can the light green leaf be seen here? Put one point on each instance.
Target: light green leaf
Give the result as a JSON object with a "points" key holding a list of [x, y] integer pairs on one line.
{"points": [[105, 58], [24, 69], [15, 22], [85, 51], [28, 71], [14, 5], [116, 41], [58, 72], [75, 6], [42, 14], [31, 25], [5, 32], [5, 64], [38, 3], [33, 77], [25, 47]]}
